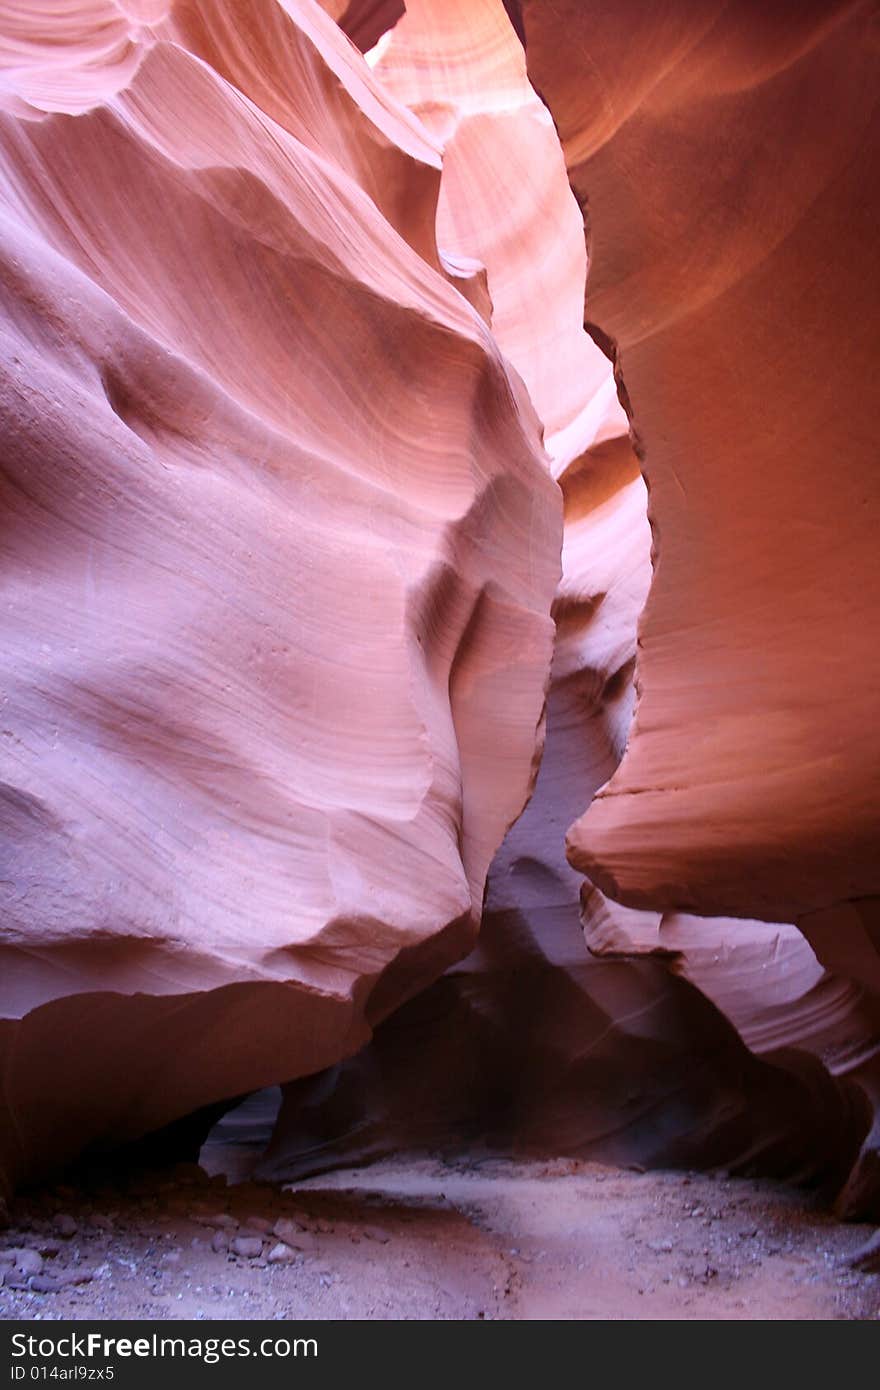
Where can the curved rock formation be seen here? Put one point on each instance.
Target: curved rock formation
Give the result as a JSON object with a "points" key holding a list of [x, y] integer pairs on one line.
{"points": [[365, 21], [285, 331], [732, 217], [529, 1044], [280, 550], [534, 1047], [505, 203], [727, 159]]}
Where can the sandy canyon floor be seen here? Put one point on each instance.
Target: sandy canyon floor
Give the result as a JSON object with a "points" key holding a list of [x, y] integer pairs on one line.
{"points": [[433, 1239]]}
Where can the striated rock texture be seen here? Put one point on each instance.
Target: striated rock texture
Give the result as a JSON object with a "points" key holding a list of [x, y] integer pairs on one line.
{"points": [[280, 547], [727, 157], [365, 21], [505, 204], [531, 1043], [293, 348], [768, 982], [536, 1047]]}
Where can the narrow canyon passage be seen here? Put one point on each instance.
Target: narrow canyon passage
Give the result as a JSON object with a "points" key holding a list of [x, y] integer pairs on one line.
{"points": [[532, 1045], [438, 596]]}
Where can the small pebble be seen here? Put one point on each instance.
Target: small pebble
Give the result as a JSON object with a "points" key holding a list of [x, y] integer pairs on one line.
{"points": [[280, 1254], [289, 1232], [28, 1262], [44, 1283], [376, 1233], [248, 1247]]}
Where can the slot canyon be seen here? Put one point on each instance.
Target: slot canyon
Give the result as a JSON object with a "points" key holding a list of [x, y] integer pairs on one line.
{"points": [[440, 728]]}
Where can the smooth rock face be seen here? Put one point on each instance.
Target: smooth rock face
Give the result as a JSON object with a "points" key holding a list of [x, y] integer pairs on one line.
{"points": [[505, 203], [535, 1047], [728, 160], [530, 1044], [281, 544], [365, 21], [284, 334]]}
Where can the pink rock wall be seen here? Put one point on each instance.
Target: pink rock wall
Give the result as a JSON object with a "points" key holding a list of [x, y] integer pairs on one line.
{"points": [[731, 215], [294, 347], [280, 550], [530, 1044]]}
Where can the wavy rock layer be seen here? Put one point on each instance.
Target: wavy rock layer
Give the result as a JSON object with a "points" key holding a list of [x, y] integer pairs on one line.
{"points": [[732, 218], [534, 1046], [531, 1044], [280, 550], [727, 162]]}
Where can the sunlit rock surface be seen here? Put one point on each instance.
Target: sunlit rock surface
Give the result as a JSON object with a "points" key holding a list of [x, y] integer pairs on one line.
{"points": [[532, 1044], [294, 346], [727, 157], [727, 160], [281, 544]]}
